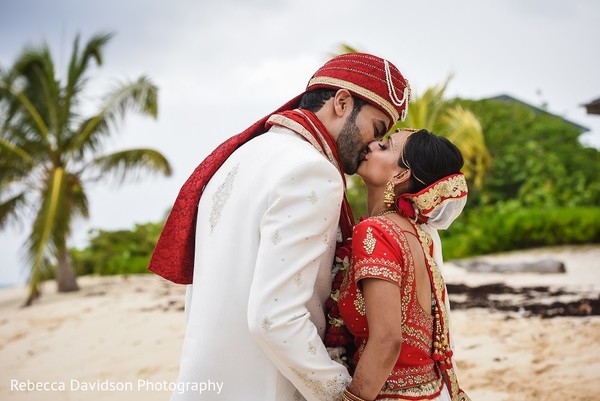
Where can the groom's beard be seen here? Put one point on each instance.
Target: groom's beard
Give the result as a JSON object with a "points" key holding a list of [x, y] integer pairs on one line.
{"points": [[349, 144]]}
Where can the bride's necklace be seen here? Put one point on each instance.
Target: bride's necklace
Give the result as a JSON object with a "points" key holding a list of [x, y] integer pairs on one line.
{"points": [[386, 212]]}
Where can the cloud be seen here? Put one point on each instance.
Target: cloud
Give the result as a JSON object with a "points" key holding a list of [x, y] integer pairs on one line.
{"points": [[221, 65]]}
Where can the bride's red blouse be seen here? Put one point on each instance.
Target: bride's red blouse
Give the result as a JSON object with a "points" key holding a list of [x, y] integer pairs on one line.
{"points": [[380, 250]]}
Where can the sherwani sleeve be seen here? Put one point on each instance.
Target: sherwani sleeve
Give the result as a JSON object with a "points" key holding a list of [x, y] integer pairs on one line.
{"points": [[296, 230]]}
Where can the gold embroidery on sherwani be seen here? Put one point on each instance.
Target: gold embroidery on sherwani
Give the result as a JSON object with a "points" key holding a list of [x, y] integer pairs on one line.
{"points": [[266, 324], [220, 197], [276, 238], [313, 198], [298, 279], [330, 390]]}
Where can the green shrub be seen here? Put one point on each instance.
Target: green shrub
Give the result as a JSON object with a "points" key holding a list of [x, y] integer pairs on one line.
{"points": [[505, 229], [117, 252]]}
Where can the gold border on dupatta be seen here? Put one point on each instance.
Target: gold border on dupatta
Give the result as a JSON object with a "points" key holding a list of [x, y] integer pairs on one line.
{"points": [[439, 287], [453, 187]]}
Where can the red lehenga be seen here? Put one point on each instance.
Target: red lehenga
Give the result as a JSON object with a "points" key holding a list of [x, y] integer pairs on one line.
{"points": [[380, 250]]}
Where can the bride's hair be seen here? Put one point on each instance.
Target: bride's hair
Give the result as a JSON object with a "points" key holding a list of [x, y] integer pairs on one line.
{"points": [[430, 158]]}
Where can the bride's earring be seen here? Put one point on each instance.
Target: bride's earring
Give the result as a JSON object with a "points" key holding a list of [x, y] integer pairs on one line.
{"points": [[389, 196]]}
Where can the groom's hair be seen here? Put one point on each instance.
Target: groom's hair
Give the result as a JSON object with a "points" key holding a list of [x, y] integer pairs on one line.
{"points": [[315, 99], [430, 158]]}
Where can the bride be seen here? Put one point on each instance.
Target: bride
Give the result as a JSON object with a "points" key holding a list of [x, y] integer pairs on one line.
{"points": [[393, 299]]}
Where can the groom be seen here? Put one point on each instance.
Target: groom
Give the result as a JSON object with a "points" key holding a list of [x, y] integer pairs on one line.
{"points": [[254, 230]]}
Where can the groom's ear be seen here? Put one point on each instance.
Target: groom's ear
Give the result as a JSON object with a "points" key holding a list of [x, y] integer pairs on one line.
{"points": [[342, 102]]}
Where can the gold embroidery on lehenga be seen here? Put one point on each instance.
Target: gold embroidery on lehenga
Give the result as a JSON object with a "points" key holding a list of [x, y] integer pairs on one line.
{"points": [[409, 383], [419, 391], [414, 370], [369, 241], [377, 267], [359, 304], [428, 382], [417, 338]]}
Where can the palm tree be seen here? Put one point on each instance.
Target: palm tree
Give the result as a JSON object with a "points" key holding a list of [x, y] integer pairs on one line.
{"points": [[50, 152], [431, 111]]}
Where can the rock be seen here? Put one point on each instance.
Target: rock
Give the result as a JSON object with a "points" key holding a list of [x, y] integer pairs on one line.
{"points": [[540, 266]]}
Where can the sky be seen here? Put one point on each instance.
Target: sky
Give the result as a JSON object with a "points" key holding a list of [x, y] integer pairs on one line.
{"points": [[222, 65]]}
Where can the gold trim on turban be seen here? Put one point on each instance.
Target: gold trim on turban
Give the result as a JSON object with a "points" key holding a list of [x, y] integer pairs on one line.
{"points": [[359, 90]]}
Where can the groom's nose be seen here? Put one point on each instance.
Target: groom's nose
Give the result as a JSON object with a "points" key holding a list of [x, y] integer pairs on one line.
{"points": [[374, 146]]}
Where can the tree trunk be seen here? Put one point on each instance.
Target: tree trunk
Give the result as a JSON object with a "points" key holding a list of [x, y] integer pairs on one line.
{"points": [[34, 293], [65, 275]]}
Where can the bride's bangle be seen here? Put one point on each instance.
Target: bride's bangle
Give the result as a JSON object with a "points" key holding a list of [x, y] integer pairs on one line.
{"points": [[348, 396]]}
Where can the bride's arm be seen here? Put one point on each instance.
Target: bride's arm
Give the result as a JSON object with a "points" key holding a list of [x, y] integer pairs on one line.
{"points": [[384, 316]]}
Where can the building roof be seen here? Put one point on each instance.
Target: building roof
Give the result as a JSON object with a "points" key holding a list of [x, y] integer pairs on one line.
{"points": [[593, 107], [537, 110]]}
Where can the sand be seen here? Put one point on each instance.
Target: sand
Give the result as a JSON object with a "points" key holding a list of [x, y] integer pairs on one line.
{"points": [[119, 338]]}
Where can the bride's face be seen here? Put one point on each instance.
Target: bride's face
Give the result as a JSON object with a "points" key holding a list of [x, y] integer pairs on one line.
{"points": [[380, 164]]}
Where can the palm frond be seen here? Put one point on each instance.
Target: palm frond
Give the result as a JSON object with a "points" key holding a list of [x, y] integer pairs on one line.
{"points": [[344, 48], [141, 95], [28, 108], [129, 164], [424, 110], [10, 209], [9, 150], [77, 67], [80, 62], [463, 128], [78, 201], [35, 69]]}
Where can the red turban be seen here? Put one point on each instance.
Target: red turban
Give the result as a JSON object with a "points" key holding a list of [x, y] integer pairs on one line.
{"points": [[371, 78], [368, 77]]}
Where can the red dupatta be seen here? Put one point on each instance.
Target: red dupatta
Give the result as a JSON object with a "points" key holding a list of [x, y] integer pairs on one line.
{"points": [[173, 256]]}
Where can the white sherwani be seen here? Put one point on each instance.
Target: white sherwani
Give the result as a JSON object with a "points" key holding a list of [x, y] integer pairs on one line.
{"points": [[266, 233]]}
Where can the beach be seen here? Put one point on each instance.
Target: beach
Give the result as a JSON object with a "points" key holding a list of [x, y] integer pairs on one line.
{"points": [[120, 337]]}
